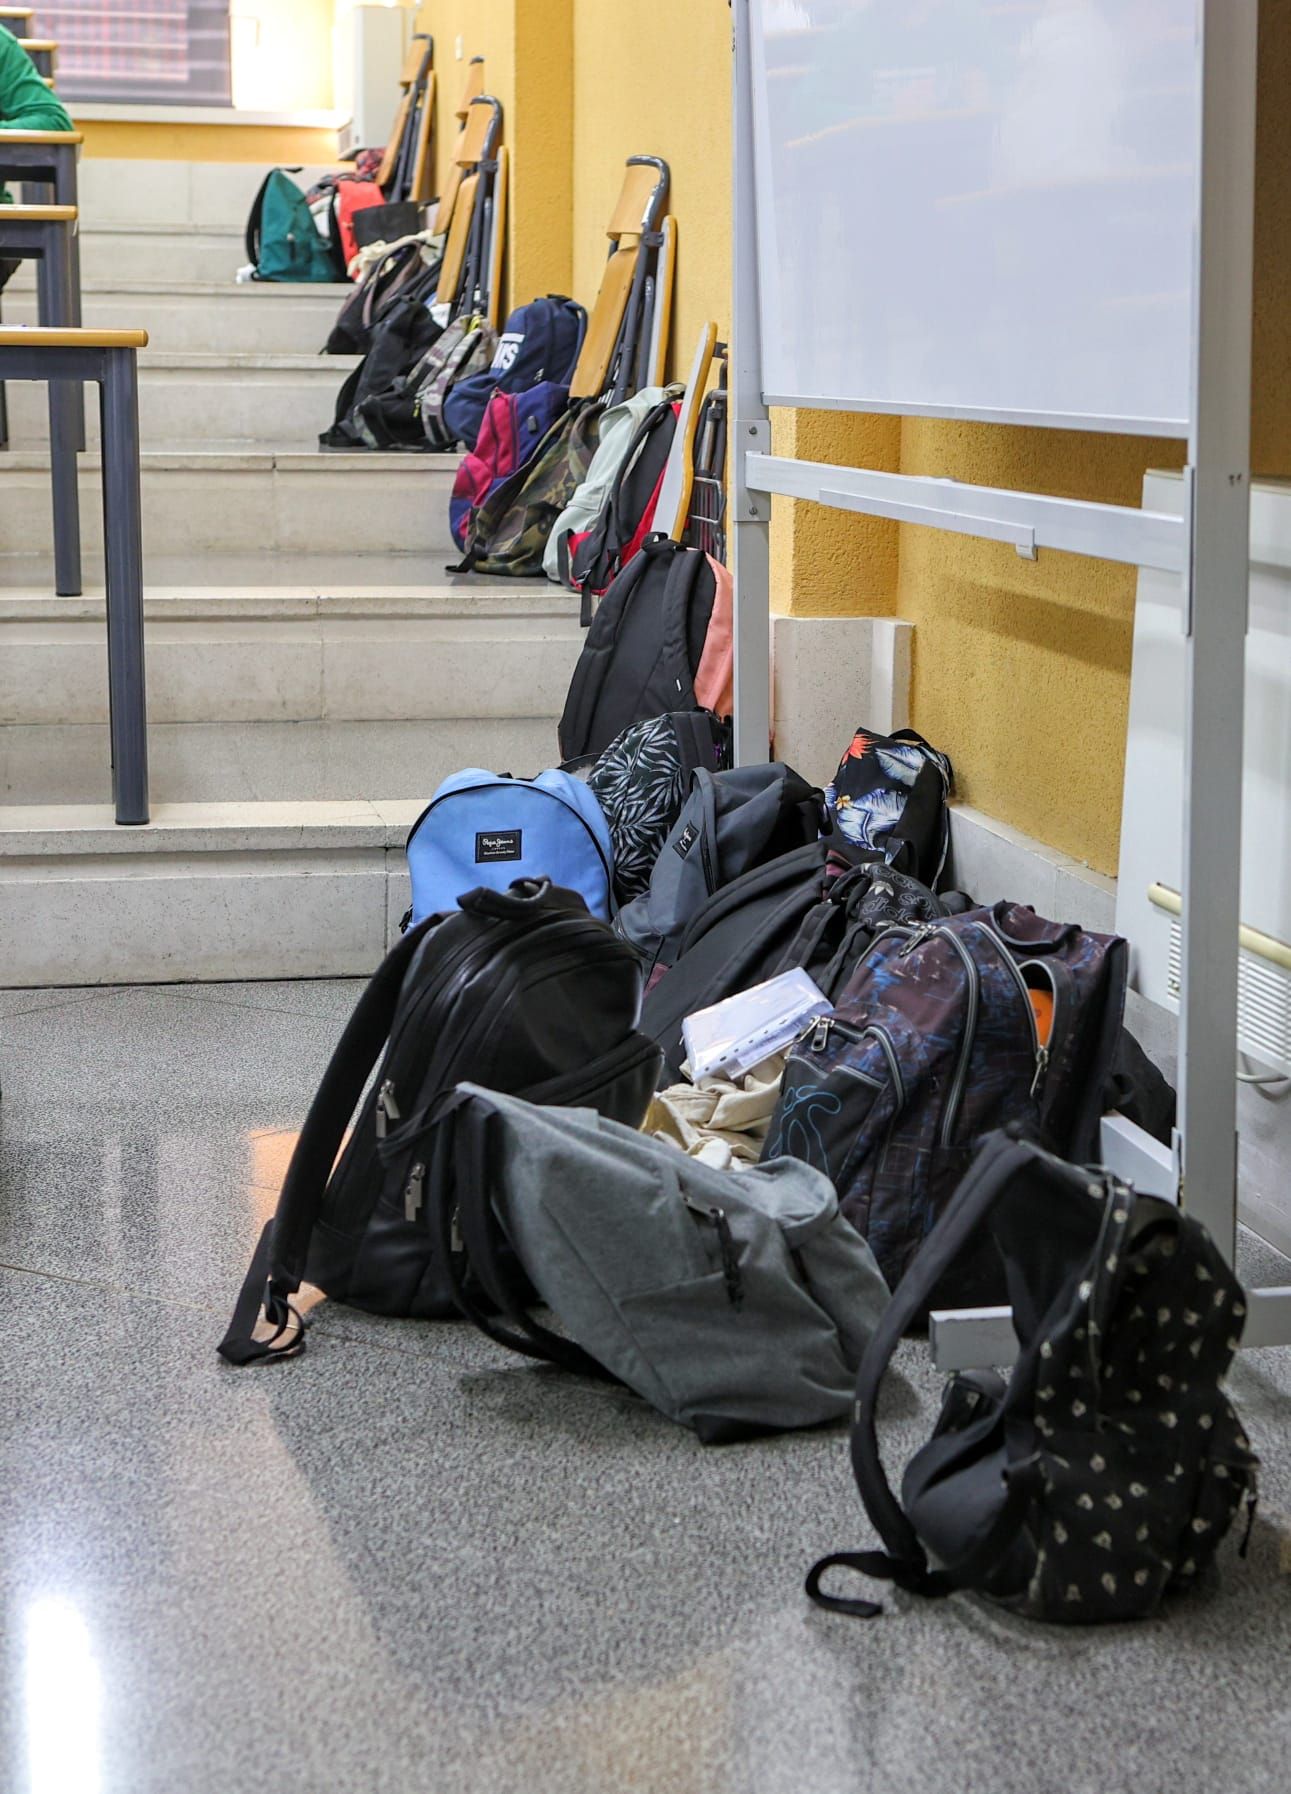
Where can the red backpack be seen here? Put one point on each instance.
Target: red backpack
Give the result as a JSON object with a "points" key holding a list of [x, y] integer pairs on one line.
{"points": [[597, 555], [344, 194]]}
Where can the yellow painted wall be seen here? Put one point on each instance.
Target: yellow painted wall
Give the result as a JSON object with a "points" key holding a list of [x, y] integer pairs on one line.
{"points": [[652, 77], [1021, 670]]}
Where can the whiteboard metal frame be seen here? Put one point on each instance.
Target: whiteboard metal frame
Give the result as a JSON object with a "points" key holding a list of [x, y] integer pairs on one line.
{"points": [[1208, 546]]}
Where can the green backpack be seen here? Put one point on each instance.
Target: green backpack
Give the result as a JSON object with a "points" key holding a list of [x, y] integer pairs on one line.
{"points": [[283, 242]]}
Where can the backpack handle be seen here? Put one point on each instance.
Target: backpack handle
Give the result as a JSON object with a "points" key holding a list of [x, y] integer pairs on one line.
{"points": [[977, 1195], [461, 1177]]}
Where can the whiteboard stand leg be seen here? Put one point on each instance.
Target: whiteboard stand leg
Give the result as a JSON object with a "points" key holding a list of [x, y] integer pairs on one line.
{"points": [[1216, 578], [750, 533]]}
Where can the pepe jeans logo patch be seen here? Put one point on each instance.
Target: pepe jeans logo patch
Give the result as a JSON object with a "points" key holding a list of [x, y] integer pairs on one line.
{"points": [[498, 844], [686, 840]]}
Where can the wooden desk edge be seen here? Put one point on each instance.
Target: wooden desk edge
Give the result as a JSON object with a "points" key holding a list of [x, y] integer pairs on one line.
{"points": [[17, 336]]}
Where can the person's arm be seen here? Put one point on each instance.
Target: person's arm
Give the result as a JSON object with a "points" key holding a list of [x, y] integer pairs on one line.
{"points": [[26, 104]]}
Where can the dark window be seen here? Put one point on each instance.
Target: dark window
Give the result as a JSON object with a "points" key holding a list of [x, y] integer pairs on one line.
{"points": [[151, 52]]}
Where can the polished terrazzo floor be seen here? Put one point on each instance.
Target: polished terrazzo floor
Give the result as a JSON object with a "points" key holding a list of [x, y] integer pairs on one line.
{"points": [[405, 1562]]}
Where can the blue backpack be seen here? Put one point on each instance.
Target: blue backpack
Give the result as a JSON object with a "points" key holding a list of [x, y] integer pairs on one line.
{"points": [[486, 828], [541, 342]]}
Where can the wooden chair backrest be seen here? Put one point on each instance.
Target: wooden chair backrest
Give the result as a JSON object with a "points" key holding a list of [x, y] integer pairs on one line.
{"points": [[450, 273]]}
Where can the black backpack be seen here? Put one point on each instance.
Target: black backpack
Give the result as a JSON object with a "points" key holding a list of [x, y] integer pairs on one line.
{"points": [[730, 821], [1105, 1473], [814, 907], [641, 782], [364, 308], [591, 562], [521, 991], [642, 649], [381, 383]]}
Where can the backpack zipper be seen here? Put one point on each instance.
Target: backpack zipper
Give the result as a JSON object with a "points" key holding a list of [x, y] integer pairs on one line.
{"points": [[956, 1096], [1041, 1052], [413, 1193], [387, 1108]]}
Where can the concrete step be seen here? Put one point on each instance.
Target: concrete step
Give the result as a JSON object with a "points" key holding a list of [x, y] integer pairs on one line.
{"points": [[205, 891], [153, 253], [210, 317], [359, 573], [235, 657], [200, 398], [208, 196], [253, 501], [235, 762]]}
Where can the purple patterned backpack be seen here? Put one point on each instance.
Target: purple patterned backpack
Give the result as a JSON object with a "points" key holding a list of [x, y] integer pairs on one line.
{"points": [[936, 1040]]}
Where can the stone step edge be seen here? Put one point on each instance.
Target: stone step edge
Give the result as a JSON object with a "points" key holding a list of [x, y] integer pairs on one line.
{"points": [[333, 291], [440, 603], [72, 831], [254, 458]]}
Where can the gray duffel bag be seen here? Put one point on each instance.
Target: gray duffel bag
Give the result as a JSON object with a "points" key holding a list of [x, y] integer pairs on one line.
{"points": [[736, 1302]]}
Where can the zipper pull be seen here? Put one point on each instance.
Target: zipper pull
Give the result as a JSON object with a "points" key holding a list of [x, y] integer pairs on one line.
{"points": [[820, 1039], [917, 939], [730, 1261], [1041, 1067], [455, 1242], [413, 1193], [387, 1108]]}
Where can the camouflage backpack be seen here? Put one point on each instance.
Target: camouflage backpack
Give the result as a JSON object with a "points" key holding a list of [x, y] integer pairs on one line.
{"points": [[466, 346], [508, 532]]}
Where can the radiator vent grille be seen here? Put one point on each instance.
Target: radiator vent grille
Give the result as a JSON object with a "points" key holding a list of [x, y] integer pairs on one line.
{"points": [[1263, 1004]]}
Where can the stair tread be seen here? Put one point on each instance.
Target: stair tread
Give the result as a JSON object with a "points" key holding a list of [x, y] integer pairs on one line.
{"points": [[450, 598], [243, 575], [44, 829], [254, 457]]}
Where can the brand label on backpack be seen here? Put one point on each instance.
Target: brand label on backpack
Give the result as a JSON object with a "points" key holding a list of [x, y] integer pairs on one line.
{"points": [[507, 350], [686, 840], [498, 844]]}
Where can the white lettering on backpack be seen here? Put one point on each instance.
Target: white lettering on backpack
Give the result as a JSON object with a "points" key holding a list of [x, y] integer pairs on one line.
{"points": [[507, 350]]}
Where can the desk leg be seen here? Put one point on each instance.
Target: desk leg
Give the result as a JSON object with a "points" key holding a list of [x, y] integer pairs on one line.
{"points": [[53, 302], [123, 556]]}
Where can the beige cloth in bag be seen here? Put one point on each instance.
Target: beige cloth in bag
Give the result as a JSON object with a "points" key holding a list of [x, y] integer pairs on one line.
{"points": [[721, 1120]]}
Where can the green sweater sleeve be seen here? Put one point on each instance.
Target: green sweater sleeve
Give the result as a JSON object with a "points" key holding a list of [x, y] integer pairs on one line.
{"points": [[26, 104]]}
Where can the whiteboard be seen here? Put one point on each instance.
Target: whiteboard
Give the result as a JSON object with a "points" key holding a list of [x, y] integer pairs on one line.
{"points": [[978, 208]]}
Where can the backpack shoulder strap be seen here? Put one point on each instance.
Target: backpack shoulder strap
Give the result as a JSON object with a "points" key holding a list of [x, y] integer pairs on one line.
{"points": [[462, 1179], [904, 1560], [687, 568], [278, 1265], [253, 220], [598, 648]]}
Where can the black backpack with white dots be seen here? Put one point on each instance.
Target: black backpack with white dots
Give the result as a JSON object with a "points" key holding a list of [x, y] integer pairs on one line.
{"points": [[1104, 1474]]}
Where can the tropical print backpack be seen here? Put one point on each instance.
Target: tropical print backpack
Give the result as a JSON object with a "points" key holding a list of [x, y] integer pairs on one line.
{"points": [[1104, 1475], [889, 795], [642, 780]]}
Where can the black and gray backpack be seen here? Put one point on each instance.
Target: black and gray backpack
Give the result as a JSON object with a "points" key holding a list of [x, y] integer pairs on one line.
{"points": [[641, 782], [1104, 1474], [643, 648], [521, 989], [729, 822]]}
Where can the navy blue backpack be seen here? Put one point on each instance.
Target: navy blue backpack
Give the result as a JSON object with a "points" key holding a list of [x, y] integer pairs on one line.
{"points": [[541, 342], [488, 829]]}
